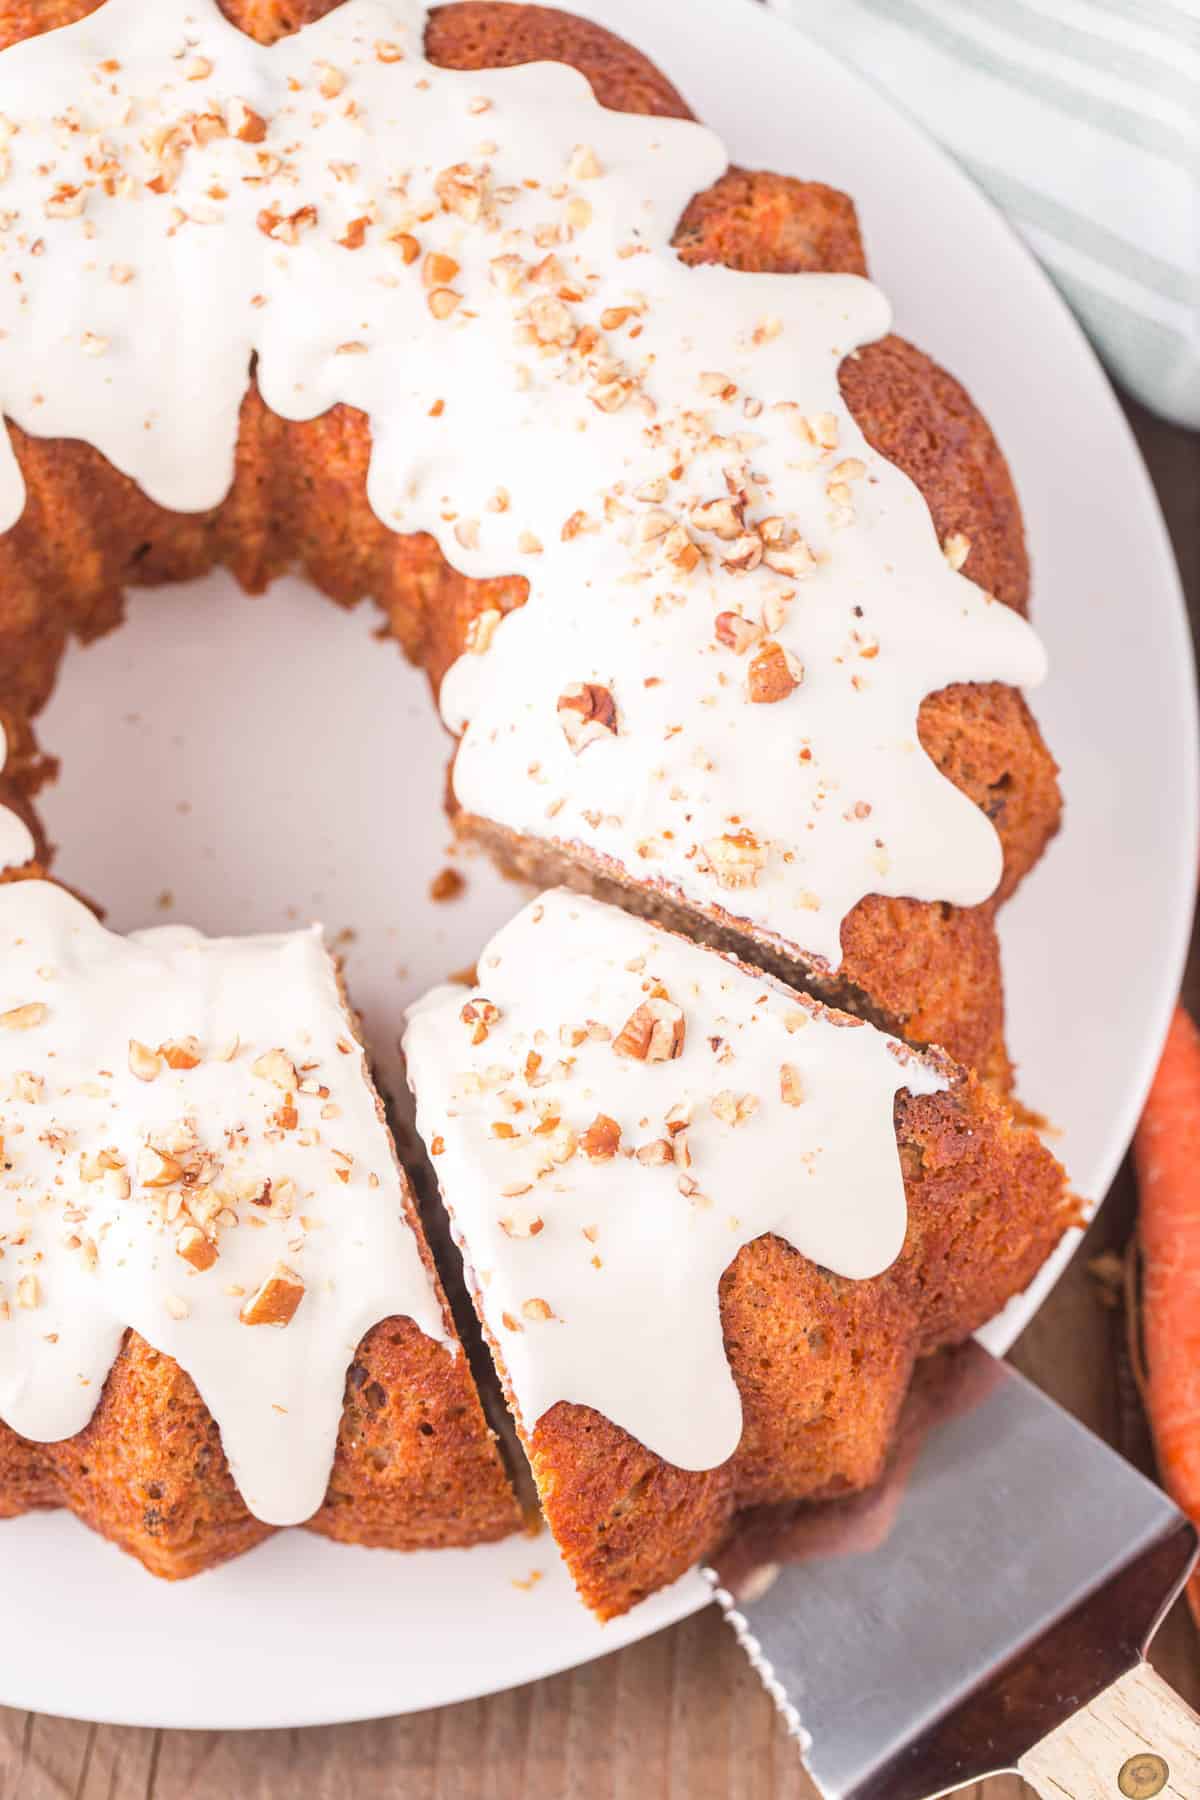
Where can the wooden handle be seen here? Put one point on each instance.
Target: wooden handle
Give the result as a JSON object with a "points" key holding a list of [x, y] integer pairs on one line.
{"points": [[1136, 1741]]}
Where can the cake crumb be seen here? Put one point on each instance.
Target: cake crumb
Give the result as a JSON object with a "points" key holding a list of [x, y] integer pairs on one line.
{"points": [[447, 884]]}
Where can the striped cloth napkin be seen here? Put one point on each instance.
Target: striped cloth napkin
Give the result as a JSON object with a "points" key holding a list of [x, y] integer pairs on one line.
{"points": [[1081, 119]]}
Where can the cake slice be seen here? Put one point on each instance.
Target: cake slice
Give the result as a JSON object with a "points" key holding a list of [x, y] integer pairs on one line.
{"points": [[218, 1314], [710, 1225]]}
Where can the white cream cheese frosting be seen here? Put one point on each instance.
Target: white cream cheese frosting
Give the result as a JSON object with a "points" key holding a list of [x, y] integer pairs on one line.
{"points": [[192, 1147], [612, 1114], [16, 839], [736, 607]]}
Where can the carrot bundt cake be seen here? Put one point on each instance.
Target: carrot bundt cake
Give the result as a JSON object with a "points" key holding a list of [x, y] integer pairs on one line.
{"points": [[735, 639], [709, 1224]]}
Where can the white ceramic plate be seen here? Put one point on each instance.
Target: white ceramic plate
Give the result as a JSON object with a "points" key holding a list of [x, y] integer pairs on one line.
{"points": [[242, 765]]}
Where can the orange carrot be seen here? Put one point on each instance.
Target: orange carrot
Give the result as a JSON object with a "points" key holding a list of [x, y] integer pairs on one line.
{"points": [[1167, 1156]]}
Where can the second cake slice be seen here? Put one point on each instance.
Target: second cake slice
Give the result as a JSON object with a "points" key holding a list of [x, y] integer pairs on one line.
{"points": [[709, 1224]]}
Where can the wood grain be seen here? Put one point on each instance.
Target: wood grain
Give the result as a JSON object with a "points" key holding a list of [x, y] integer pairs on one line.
{"points": [[1139, 1719], [680, 1717]]}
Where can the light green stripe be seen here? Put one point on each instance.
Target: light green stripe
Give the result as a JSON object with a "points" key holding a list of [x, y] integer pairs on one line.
{"points": [[1158, 15], [1150, 359], [1159, 77], [1140, 129], [1085, 233]]}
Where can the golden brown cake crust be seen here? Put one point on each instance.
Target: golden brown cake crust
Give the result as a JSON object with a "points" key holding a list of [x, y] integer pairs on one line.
{"points": [[822, 1364], [416, 1466]]}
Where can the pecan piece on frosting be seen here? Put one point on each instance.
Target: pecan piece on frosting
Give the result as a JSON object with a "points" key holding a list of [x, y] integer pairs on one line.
{"points": [[652, 1033], [275, 1300], [587, 713], [737, 859], [196, 1248], [721, 517], [735, 632], [774, 673], [602, 1138], [144, 1063], [248, 126], [24, 1018], [480, 1015]]}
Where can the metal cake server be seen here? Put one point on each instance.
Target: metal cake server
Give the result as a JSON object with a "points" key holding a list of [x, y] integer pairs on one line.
{"points": [[987, 1608]]}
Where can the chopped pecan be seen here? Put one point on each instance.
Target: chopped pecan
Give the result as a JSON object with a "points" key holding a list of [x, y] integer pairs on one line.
{"points": [[785, 550], [438, 270], [275, 1300], [276, 1067], [774, 673], [602, 1139], [735, 632], [744, 553], [791, 1087], [480, 1015], [196, 1248], [654, 1032], [657, 1153], [144, 1063], [245, 124], [737, 859], [157, 1168], [587, 713], [24, 1018], [721, 517]]}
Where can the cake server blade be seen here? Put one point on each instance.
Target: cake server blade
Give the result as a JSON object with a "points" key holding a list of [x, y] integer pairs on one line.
{"points": [[985, 1608]]}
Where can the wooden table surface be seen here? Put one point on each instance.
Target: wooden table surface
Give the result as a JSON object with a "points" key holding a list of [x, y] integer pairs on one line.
{"points": [[681, 1716]]}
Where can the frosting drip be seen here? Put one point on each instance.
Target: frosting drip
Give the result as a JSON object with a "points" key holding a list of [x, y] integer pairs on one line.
{"points": [[192, 1147], [735, 606], [16, 839], [612, 1115]]}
